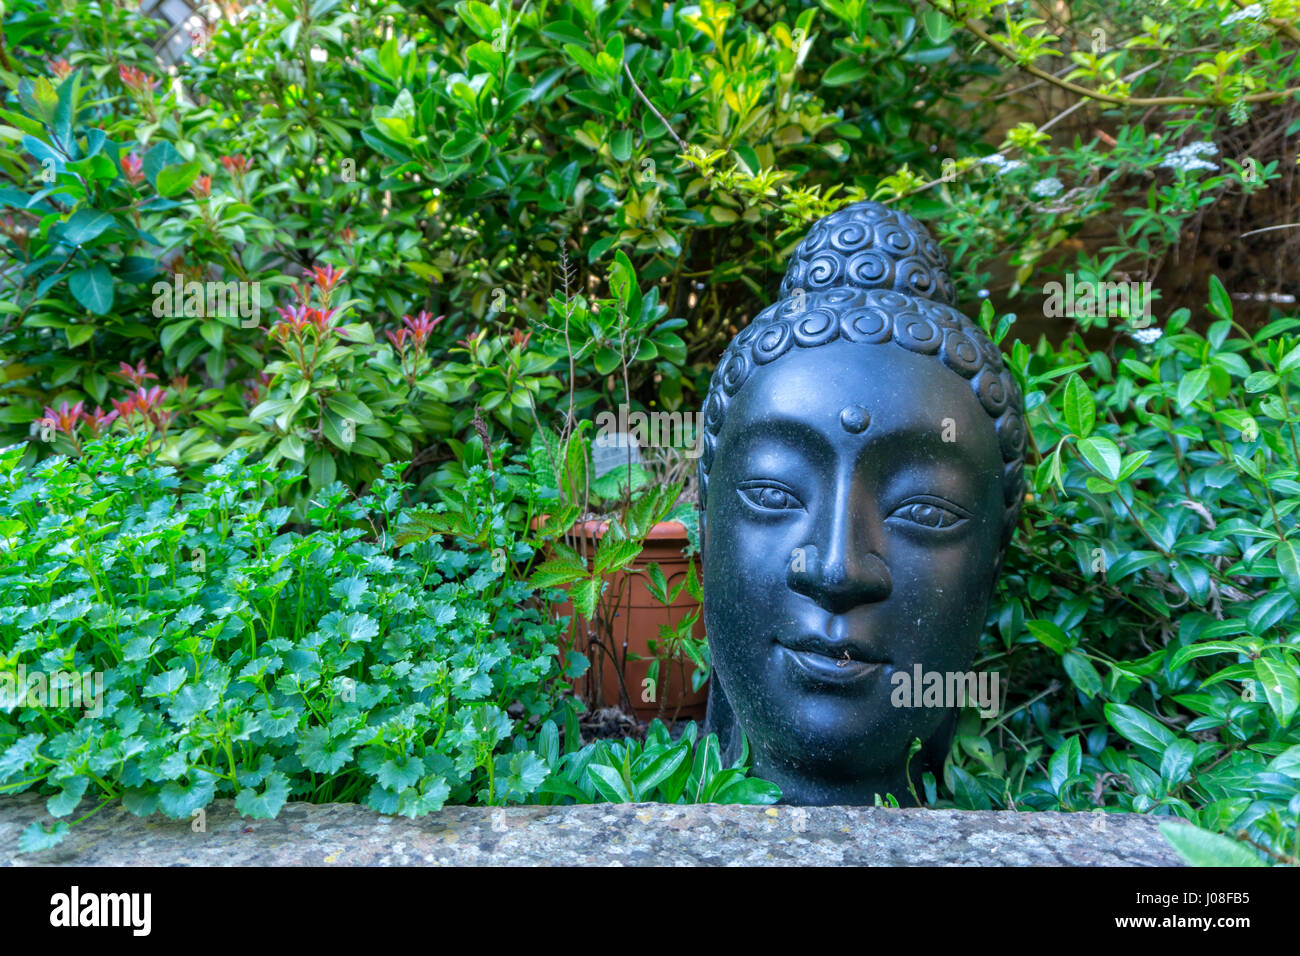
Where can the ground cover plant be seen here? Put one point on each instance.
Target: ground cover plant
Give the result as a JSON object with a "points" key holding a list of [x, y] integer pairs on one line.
{"points": [[223, 652]]}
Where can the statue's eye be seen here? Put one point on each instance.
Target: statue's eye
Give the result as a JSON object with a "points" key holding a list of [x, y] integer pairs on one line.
{"points": [[930, 513], [769, 496]]}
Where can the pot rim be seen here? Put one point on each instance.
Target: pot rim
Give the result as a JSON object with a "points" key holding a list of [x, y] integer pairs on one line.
{"points": [[596, 527]]}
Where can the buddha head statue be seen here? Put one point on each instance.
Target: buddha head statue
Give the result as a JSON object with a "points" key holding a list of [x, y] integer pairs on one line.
{"points": [[860, 477]]}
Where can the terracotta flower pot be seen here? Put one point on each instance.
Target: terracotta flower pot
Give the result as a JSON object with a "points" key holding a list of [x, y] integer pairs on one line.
{"points": [[636, 623]]}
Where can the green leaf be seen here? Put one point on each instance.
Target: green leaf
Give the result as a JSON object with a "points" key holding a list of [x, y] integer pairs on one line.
{"points": [[321, 471], [1102, 454], [264, 805], [1260, 381], [177, 179], [93, 288], [1064, 764], [1132, 463], [844, 71], [36, 838], [1191, 387], [68, 798], [1203, 848], [1177, 762], [1290, 361], [1203, 649], [751, 791], [1288, 563], [1220, 302], [1050, 635], [615, 555], [662, 766], [584, 596], [609, 784], [84, 225], [620, 145], [179, 801], [347, 405], [1082, 673], [1080, 407], [1281, 687], [555, 572], [1139, 727], [937, 26]]}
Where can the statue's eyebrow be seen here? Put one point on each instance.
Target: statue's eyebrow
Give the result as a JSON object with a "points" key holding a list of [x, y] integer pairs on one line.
{"points": [[780, 427], [916, 440]]}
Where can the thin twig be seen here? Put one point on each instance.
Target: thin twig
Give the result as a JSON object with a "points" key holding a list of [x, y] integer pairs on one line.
{"points": [[978, 28], [1255, 232], [660, 116]]}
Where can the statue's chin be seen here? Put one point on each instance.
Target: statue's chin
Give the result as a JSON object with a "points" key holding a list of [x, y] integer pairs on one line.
{"points": [[820, 765], [805, 789]]}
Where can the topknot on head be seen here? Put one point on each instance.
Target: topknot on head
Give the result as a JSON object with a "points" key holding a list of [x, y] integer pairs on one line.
{"points": [[870, 246]]}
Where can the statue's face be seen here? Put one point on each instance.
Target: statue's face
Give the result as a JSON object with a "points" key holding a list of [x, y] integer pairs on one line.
{"points": [[847, 540]]}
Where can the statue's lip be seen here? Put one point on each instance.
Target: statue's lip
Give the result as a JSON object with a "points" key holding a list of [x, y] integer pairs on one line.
{"points": [[845, 651]]}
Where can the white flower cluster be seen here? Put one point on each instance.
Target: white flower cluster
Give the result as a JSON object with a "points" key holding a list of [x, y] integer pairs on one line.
{"points": [[1253, 12], [1189, 157], [1147, 336], [1003, 164], [1047, 188]]}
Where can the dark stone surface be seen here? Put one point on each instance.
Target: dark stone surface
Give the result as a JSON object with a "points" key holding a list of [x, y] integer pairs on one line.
{"points": [[599, 835], [861, 471]]}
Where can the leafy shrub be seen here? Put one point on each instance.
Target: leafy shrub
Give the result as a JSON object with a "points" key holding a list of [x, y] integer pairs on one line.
{"points": [[464, 159], [1159, 564]]}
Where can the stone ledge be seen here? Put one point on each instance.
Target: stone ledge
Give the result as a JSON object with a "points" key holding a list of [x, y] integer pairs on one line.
{"points": [[600, 834]]}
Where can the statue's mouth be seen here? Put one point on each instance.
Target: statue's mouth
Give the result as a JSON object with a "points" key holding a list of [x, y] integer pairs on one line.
{"points": [[833, 661]]}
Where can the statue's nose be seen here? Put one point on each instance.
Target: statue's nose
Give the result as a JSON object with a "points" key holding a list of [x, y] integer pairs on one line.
{"points": [[842, 578]]}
